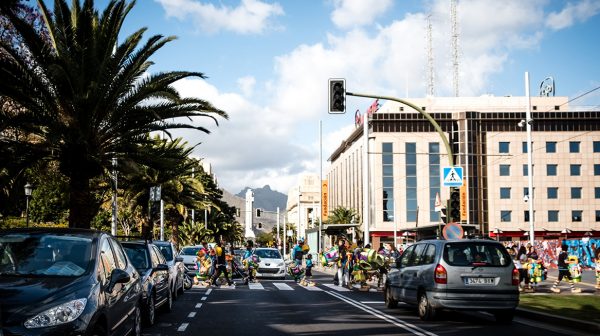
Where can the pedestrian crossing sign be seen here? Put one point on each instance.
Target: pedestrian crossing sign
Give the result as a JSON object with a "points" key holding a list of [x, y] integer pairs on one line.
{"points": [[452, 176]]}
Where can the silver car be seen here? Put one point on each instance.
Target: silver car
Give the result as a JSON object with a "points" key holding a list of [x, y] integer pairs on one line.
{"points": [[175, 264], [465, 274]]}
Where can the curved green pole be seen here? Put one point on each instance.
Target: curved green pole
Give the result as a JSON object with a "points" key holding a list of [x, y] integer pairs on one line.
{"points": [[425, 114]]}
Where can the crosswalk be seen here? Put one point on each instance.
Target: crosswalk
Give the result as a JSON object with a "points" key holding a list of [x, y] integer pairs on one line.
{"points": [[283, 286]]}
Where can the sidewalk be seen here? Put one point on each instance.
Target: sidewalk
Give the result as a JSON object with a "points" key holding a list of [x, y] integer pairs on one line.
{"points": [[542, 289]]}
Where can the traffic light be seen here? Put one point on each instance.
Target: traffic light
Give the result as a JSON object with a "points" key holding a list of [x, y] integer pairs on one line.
{"points": [[258, 212], [337, 96], [454, 206]]}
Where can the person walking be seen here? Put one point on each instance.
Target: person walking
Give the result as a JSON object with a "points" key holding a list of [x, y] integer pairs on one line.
{"points": [[220, 264], [342, 271], [597, 255], [249, 263], [307, 281], [563, 271]]}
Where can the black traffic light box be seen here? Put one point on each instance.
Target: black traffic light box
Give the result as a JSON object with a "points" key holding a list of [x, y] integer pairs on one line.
{"points": [[258, 211], [337, 96], [454, 206]]}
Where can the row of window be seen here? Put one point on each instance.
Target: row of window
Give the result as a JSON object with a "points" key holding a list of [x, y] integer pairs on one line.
{"points": [[553, 215], [574, 147], [551, 192], [551, 170]]}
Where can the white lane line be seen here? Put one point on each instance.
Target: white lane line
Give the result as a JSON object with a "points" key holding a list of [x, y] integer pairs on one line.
{"points": [[375, 302], [282, 286], [337, 288], [313, 288], [256, 286], [391, 319], [198, 305], [192, 314], [183, 326], [203, 298], [208, 291]]}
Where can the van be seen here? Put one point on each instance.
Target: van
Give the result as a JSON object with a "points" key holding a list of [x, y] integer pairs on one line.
{"points": [[462, 274]]}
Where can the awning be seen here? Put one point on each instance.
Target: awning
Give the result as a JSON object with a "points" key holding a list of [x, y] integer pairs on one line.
{"points": [[333, 229]]}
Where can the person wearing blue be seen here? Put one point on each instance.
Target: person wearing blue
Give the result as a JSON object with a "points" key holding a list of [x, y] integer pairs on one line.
{"points": [[247, 257], [297, 252], [307, 281]]}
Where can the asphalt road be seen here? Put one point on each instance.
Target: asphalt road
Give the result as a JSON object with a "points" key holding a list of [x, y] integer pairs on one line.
{"points": [[275, 307]]}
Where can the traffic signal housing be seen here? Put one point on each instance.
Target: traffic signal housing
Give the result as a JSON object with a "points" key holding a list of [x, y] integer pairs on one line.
{"points": [[258, 211], [454, 206], [337, 96]]}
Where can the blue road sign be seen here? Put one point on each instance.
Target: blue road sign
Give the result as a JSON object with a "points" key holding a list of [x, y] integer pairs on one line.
{"points": [[452, 176]]}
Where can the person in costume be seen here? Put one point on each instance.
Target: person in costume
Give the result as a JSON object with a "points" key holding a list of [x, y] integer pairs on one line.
{"points": [[342, 270], [597, 257], [221, 264], [297, 252], [563, 271], [307, 281], [248, 262]]}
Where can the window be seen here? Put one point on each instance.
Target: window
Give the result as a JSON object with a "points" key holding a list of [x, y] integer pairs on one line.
{"points": [[552, 215], [107, 260], [597, 215], [575, 170], [552, 192], [505, 215], [551, 169], [596, 146], [597, 169], [411, 181], [407, 256], [387, 150], [526, 215], [504, 170], [524, 146], [574, 146], [417, 257], [505, 193], [550, 146], [121, 259], [575, 192], [525, 170], [504, 147], [596, 192], [429, 257], [576, 215]]}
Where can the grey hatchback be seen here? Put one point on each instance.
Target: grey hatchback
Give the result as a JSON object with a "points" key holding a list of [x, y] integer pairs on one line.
{"points": [[464, 274]]}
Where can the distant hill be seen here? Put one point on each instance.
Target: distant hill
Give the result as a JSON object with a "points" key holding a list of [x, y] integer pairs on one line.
{"points": [[266, 198]]}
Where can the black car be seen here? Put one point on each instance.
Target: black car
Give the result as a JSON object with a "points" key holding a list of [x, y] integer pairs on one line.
{"points": [[66, 282], [150, 263]]}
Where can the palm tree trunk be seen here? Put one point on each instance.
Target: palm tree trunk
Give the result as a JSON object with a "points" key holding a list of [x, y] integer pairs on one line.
{"points": [[82, 206]]}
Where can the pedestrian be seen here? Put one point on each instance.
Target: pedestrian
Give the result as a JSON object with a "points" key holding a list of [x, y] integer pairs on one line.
{"points": [[307, 281], [341, 265], [563, 271], [220, 264], [597, 256], [248, 262]]}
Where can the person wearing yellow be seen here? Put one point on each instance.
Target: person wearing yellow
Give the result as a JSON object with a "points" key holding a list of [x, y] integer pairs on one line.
{"points": [[563, 271], [221, 264]]}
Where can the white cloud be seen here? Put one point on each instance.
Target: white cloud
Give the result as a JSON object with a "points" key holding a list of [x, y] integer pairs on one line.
{"points": [[246, 85], [353, 13], [572, 13], [249, 17]]}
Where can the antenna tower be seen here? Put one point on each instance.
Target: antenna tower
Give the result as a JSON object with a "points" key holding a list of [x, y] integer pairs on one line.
{"points": [[454, 46]]}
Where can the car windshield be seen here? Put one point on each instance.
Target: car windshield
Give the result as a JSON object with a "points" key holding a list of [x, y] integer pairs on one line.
{"points": [[190, 250], [138, 256], [44, 254], [476, 254], [167, 251], [269, 254]]}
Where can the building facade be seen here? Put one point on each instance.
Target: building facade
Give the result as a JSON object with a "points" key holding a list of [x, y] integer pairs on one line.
{"points": [[407, 157]]}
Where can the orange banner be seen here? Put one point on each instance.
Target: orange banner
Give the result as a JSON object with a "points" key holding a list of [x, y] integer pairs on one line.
{"points": [[463, 201], [324, 199]]}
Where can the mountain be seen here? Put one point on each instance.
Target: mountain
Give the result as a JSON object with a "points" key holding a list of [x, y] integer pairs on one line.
{"points": [[266, 198]]}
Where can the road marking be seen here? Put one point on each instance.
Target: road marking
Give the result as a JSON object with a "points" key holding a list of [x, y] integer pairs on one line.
{"points": [[391, 319], [373, 302], [198, 305], [183, 326], [282, 286], [208, 291], [192, 314], [337, 288], [313, 288], [203, 298], [257, 285]]}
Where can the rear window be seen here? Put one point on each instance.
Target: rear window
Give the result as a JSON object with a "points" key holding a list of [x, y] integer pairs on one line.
{"points": [[190, 250], [476, 254]]}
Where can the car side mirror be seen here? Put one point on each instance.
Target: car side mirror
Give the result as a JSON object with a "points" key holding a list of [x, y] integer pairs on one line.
{"points": [[118, 276], [178, 259]]}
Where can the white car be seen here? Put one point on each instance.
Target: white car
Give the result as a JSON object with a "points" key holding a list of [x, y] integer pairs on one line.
{"points": [[175, 264], [189, 254], [271, 263]]}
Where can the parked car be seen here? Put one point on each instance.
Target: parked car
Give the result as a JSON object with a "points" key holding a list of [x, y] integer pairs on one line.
{"points": [[465, 274], [189, 254], [67, 282], [175, 262], [150, 263], [271, 264]]}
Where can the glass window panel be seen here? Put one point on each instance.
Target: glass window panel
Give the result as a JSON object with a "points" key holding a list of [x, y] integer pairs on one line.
{"points": [[388, 205], [596, 146], [504, 170], [505, 193], [552, 215], [411, 170], [411, 216], [574, 146], [387, 147], [596, 192], [524, 146], [504, 147], [505, 215], [411, 205], [388, 182], [411, 182], [388, 170], [387, 159], [388, 193], [575, 192], [551, 169], [597, 215], [550, 146], [526, 215], [525, 170], [575, 170], [597, 169], [552, 193], [576, 215]]}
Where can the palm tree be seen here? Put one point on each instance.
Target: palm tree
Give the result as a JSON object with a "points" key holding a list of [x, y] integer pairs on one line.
{"points": [[84, 98], [341, 215]]}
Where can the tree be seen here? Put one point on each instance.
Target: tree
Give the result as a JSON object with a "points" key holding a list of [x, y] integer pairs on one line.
{"points": [[341, 215], [83, 98]]}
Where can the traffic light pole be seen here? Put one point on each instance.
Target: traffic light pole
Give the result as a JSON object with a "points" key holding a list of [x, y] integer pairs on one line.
{"points": [[423, 113]]}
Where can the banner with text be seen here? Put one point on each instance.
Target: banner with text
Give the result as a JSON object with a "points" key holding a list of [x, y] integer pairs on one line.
{"points": [[324, 198]]}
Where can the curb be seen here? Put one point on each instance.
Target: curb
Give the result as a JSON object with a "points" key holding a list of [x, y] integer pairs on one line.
{"points": [[559, 320]]}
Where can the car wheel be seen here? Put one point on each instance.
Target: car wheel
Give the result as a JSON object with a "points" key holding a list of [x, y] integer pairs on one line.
{"points": [[389, 299], [426, 311], [174, 292], [181, 288], [168, 305], [504, 316], [137, 321], [150, 312]]}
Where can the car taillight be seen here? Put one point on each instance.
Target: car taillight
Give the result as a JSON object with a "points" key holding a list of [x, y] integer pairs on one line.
{"points": [[515, 277], [440, 275]]}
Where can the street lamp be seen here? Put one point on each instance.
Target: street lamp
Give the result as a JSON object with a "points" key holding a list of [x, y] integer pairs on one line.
{"points": [[527, 122], [28, 190]]}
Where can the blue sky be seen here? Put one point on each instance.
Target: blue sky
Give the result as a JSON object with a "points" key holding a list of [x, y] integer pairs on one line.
{"points": [[268, 63]]}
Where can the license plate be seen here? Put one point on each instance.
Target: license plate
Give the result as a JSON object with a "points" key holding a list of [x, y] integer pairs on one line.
{"points": [[479, 281]]}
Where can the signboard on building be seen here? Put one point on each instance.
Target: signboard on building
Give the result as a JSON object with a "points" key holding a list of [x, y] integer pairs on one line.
{"points": [[463, 202], [324, 199], [452, 176]]}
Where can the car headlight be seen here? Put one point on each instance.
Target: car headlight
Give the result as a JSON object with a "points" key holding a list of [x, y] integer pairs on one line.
{"points": [[280, 264], [60, 314]]}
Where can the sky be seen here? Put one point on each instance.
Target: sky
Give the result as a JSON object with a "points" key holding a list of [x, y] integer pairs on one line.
{"points": [[268, 64]]}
